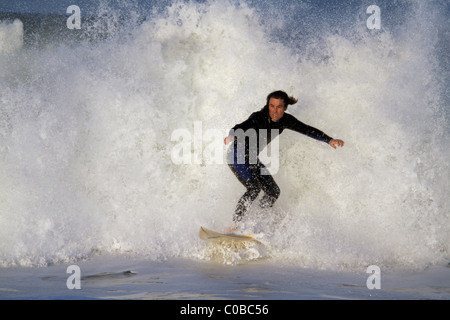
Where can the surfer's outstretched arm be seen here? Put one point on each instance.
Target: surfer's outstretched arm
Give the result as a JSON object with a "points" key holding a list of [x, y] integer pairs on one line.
{"points": [[336, 142], [228, 140]]}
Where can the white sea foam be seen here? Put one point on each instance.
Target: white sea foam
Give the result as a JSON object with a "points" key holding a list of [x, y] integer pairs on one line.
{"points": [[11, 36], [85, 142]]}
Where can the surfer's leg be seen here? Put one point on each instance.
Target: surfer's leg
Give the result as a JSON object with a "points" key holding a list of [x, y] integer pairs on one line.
{"points": [[253, 189], [270, 188], [248, 176]]}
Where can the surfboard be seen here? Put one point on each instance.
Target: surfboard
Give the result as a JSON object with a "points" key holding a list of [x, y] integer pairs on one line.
{"points": [[217, 237]]}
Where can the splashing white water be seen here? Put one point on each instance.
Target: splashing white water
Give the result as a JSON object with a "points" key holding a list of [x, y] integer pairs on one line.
{"points": [[85, 143], [11, 37]]}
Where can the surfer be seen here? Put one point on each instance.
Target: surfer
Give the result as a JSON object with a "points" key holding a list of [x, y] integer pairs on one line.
{"points": [[243, 159]]}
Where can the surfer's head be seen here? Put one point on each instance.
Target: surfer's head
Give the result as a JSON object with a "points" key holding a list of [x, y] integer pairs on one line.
{"points": [[277, 103], [283, 96]]}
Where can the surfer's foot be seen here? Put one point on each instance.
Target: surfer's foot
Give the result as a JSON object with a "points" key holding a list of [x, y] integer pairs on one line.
{"points": [[233, 229], [237, 222]]}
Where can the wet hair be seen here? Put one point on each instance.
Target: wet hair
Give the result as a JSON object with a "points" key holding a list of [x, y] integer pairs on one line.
{"points": [[281, 95]]}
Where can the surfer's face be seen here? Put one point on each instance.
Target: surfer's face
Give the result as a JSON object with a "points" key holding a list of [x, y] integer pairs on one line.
{"points": [[276, 109]]}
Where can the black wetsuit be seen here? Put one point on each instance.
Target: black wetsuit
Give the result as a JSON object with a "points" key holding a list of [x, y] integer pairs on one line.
{"points": [[247, 167]]}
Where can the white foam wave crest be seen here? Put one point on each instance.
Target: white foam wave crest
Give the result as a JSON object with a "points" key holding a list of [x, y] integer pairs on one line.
{"points": [[86, 151]]}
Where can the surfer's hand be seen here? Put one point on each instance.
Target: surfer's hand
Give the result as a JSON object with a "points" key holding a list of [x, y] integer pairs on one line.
{"points": [[228, 140], [336, 142]]}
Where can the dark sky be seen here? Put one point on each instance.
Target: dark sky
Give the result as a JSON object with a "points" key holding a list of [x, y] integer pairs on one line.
{"points": [[60, 6], [40, 6]]}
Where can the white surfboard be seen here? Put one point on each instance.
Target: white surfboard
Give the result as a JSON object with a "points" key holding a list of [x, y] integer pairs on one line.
{"points": [[217, 237]]}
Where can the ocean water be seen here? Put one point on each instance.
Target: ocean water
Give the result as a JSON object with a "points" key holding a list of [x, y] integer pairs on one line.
{"points": [[87, 116]]}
